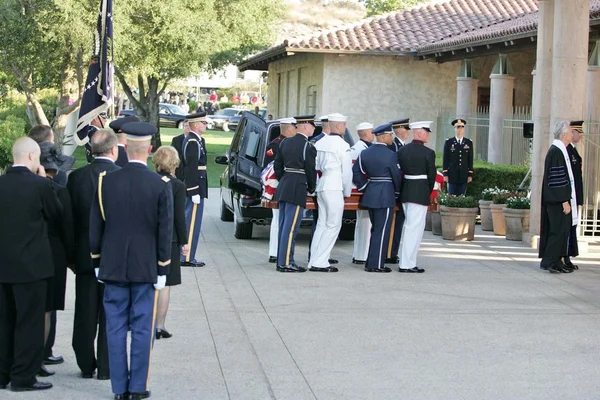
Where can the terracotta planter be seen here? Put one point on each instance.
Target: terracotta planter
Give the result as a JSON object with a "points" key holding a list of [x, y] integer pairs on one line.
{"points": [[486, 215], [498, 219], [517, 222], [458, 223], [428, 221], [436, 223]]}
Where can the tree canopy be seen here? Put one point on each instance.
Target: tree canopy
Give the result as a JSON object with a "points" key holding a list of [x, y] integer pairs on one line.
{"points": [[376, 7]]}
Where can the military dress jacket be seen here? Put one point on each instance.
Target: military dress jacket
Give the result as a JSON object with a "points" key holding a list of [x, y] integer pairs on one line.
{"points": [[576, 166], [376, 174], [194, 172], [272, 149], [396, 145], [123, 158], [458, 160], [294, 168], [177, 143], [131, 225], [417, 163]]}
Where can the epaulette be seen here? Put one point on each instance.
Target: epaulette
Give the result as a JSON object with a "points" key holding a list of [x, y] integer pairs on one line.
{"points": [[165, 179]]}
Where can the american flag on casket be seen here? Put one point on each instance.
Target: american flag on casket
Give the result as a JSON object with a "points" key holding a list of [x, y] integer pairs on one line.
{"points": [[438, 186], [269, 181]]}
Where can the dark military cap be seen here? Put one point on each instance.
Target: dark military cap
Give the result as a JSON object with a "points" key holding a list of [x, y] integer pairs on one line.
{"points": [[119, 122], [401, 123], [383, 129], [464, 122], [139, 130], [197, 117], [576, 126], [305, 119]]}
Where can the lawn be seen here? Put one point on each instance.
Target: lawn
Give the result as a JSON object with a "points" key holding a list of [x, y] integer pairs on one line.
{"points": [[217, 143]]}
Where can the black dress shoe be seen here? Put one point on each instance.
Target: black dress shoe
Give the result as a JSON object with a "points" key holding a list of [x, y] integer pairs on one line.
{"points": [[415, 270], [359, 262], [326, 269], [34, 387], [2, 386], [139, 396], [272, 259], [384, 269], [161, 333], [44, 373], [103, 377], [392, 260], [53, 360], [86, 375], [291, 268], [333, 261], [193, 263], [571, 265], [124, 396]]}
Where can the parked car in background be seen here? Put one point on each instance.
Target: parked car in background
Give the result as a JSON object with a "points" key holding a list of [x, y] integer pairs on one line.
{"points": [[235, 120], [221, 117], [170, 116], [241, 187]]}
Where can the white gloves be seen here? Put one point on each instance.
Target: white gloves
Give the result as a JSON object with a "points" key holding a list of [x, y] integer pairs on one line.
{"points": [[196, 199], [161, 281], [97, 272]]}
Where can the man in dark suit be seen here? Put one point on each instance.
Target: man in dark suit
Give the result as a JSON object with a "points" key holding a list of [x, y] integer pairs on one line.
{"points": [[90, 318], [131, 228], [116, 125], [576, 167], [24, 266], [417, 162], [294, 167], [458, 160], [177, 142]]}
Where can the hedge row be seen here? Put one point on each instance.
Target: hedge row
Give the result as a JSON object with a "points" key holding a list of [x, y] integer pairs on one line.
{"points": [[11, 129], [486, 175]]}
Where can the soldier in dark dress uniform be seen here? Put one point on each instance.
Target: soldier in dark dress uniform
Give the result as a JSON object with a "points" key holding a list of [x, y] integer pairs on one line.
{"points": [[558, 202], [417, 162], [131, 228], [89, 323], [401, 133], [376, 174], [196, 183], [116, 125], [295, 170], [97, 123], [458, 160], [177, 143], [576, 166]]}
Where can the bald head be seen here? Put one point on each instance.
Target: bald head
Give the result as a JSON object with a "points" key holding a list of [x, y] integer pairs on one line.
{"points": [[26, 152], [104, 144]]}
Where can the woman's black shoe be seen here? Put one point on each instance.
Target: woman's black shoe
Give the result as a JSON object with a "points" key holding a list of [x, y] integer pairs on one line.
{"points": [[162, 334], [43, 372]]}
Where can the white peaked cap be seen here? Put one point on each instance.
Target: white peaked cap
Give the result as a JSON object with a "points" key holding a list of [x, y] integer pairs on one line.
{"points": [[364, 125], [324, 117], [336, 117], [421, 125], [289, 120]]}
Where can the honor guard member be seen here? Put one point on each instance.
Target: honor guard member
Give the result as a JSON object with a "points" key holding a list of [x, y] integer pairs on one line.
{"points": [[97, 123], [576, 167], [89, 324], [177, 143], [196, 183], [401, 133], [131, 228], [295, 170], [377, 176], [362, 231], [458, 160], [286, 129], [335, 163], [116, 125], [418, 164], [323, 121]]}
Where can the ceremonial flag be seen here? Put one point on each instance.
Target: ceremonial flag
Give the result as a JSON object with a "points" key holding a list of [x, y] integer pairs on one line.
{"points": [[97, 95]]}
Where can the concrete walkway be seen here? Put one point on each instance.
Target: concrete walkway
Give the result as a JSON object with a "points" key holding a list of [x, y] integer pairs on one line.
{"points": [[484, 322]]}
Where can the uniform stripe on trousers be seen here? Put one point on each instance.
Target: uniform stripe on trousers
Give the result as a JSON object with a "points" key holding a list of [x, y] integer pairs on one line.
{"points": [[152, 339], [289, 248], [191, 233], [387, 216]]}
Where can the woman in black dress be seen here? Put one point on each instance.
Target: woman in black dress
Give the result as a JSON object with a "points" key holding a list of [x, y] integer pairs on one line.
{"points": [[166, 160]]}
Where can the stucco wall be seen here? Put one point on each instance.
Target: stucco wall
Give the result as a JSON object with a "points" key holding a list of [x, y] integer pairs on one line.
{"points": [[300, 76]]}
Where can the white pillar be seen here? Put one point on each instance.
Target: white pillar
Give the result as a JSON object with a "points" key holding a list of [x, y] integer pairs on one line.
{"points": [[501, 103], [591, 154], [466, 96], [542, 89]]}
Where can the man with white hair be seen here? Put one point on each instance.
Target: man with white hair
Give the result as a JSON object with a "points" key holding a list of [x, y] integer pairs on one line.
{"points": [[418, 164], [559, 204], [335, 163], [362, 231]]}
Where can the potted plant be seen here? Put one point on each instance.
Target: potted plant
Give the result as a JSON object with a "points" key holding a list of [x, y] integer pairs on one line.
{"points": [[516, 215], [458, 215], [436, 218], [499, 201], [487, 197]]}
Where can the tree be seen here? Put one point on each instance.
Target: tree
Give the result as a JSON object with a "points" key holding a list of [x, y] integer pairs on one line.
{"points": [[376, 7], [157, 42]]}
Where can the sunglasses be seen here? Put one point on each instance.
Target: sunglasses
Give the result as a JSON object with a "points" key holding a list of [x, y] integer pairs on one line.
{"points": [[459, 126], [204, 122]]}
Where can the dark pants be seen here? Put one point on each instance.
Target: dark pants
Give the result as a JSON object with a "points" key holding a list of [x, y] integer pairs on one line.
{"points": [[393, 243], [193, 219], [130, 304], [89, 320], [381, 220], [557, 234], [457, 189], [290, 216], [22, 309], [51, 336]]}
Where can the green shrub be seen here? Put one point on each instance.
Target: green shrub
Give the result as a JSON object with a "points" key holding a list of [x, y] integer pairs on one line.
{"points": [[518, 203], [193, 106], [450, 200], [502, 198], [225, 104], [10, 130]]}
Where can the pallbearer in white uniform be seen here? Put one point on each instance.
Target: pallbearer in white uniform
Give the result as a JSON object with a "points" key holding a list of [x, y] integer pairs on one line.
{"points": [[362, 232], [335, 163]]}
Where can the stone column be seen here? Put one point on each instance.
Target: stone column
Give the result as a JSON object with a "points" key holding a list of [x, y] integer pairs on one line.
{"points": [[466, 96], [501, 103], [588, 148], [541, 113]]}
